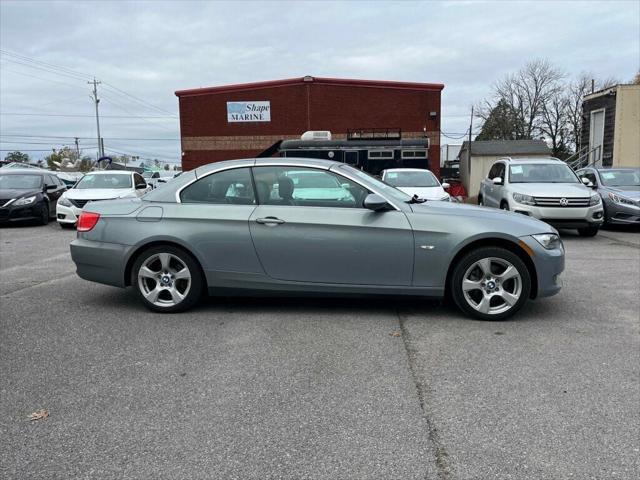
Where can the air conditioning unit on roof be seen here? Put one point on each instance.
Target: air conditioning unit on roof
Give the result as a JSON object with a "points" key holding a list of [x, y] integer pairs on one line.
{"points": [[316, 135]]}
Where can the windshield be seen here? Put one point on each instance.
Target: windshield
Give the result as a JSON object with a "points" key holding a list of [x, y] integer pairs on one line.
{"points": [[113, 180], [392, 192], [411, 179], [542, 173], [20, 181], [620, 178]]}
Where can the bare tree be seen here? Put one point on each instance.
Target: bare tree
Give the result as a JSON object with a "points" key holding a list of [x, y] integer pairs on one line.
{"points": [[554, 124], [527, 91]]}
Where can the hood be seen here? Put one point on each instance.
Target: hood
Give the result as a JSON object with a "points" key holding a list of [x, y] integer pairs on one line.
{"points": [[430, 193], [567, 190], [491, 219], [625, 191], [98, 193], [8, 193]]}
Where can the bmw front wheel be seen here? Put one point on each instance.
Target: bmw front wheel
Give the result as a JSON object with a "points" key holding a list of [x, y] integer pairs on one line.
{"points": [[490, 283], [167, 279]]}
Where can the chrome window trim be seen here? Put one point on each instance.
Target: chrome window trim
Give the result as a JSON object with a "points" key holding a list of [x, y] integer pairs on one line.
{"points": [[286, 164]]}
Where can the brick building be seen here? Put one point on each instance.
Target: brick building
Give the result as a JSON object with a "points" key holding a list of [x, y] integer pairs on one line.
{"points": [[240, 121]]}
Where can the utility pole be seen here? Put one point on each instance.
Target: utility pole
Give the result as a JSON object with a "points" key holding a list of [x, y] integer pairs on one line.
{"points": [[77, 147], [96, 100], [469, 146]]}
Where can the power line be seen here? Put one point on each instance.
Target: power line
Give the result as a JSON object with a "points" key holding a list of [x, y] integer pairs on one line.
{"points": [[138, 99], [106, 138], [39, 78], [74, 115], [42, 64]]}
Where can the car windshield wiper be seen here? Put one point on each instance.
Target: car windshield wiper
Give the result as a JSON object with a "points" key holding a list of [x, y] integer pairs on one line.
{"points": [[417, 199]]}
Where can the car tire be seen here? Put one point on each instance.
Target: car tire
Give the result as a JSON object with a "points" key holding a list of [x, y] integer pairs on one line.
{"points": [[44, 215], [161, 282], [504, 206], [490, 283], [588, 231], [480, 201]]}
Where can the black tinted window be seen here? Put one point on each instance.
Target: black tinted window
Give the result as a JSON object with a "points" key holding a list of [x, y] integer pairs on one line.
{"points": [[227, 187], [493, 172], [306, 187]]}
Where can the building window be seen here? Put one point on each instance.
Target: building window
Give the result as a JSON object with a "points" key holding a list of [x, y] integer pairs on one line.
{"points": [[351, 157], [380, 154], [414, 154]]}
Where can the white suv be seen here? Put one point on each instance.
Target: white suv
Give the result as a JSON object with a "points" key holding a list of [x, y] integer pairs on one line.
{"points": [[544, 188]]}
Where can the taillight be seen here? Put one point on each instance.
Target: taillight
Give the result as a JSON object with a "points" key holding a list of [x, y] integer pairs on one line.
{"points": [[87, 221]]}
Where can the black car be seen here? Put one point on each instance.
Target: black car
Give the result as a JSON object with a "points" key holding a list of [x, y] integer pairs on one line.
{"points": [[29, 194]]}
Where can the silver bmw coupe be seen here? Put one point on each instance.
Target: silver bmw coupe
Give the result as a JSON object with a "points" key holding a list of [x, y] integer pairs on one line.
{"points": [[312, 226]]}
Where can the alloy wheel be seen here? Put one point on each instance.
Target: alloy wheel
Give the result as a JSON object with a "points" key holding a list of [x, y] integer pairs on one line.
{"points": [[492, 285], [164, 279]]}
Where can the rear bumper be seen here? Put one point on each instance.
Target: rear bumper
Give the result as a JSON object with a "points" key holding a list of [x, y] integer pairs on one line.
{"points": [[549, 267], [100, 262]]}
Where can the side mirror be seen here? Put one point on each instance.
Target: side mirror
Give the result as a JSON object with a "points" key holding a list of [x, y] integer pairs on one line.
{"points": [[587, 182], [375, 202], [446, 186], [497, 181], [140, 186]]}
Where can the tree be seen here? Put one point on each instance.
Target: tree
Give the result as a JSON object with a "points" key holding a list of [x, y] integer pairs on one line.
{"points": [[554, 125], [17, 156], [500, 122], [166, 166], [636, 79], [526, 92], [61, 158]]}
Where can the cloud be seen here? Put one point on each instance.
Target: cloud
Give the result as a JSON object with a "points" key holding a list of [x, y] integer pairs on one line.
{"points": [[151, 49]]}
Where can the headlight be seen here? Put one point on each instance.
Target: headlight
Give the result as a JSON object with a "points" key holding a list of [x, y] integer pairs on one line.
{"points": [[524, 199], [64, 201], [620, 200], [25, 201], [595, 200], [548, 240]]}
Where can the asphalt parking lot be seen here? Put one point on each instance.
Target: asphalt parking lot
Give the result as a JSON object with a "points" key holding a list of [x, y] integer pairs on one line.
{"points": [[317, 388]]}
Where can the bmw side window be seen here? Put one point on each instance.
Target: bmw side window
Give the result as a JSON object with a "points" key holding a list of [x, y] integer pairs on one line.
{"points": [[228, 187], [306, 187]]}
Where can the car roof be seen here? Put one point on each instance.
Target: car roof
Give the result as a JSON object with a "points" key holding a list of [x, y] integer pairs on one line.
{"points": [[624, 169], [538, 160], [267, 162], [32, 171], [104, 172], [408, 170]]}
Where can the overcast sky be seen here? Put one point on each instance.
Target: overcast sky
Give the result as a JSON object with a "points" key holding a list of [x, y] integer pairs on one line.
{"points": [[150, 49]]}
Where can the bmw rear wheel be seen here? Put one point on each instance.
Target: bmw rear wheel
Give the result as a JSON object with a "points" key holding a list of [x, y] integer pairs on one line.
{"points": [[167, 279], [490, 283]]}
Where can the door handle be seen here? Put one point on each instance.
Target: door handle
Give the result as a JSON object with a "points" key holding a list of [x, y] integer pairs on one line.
{"points": [[269, 221]]}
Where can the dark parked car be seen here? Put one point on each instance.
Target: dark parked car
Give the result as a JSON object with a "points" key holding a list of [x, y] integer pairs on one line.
{"points": [[29, 194], [620, 192]]}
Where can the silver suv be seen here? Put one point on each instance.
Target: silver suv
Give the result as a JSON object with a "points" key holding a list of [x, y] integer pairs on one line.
{"points": [[544, 188]]}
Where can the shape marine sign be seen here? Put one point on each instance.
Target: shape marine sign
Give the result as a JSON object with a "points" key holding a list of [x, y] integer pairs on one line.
{"points": [[258, 111]]}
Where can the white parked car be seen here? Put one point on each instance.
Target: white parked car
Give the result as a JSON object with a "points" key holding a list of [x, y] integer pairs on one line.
{"points": [[102, 185], [544, 188], [416, 181]]}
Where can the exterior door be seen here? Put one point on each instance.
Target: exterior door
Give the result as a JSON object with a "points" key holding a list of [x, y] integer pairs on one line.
{"points": [[596, 137], [310, 226]]}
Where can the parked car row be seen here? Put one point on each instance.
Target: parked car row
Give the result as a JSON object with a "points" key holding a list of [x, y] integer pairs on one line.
{"points": [[549, 190]]}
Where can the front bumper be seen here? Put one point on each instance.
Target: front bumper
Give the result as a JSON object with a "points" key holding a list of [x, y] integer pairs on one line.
{"points": [[68, 214], [549, 266], [622, 214], [17, 214], [99, 261], [564, 217]]}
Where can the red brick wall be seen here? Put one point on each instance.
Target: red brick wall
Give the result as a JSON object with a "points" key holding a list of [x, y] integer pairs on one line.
{"points": [[297, 108]]}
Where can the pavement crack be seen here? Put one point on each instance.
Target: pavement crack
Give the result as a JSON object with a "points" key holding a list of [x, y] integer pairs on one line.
{"points": [[442, 461]]}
